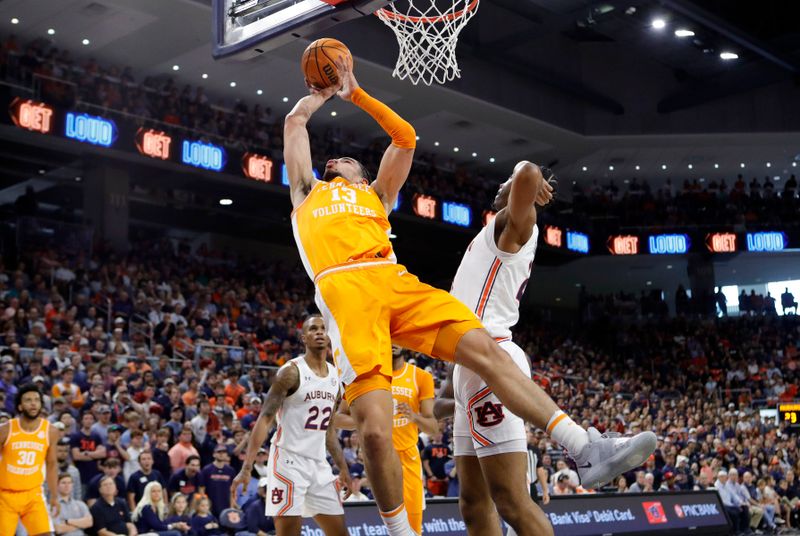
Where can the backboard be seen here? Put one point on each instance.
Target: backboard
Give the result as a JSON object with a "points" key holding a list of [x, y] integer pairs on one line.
{"points": [[244, 29]]}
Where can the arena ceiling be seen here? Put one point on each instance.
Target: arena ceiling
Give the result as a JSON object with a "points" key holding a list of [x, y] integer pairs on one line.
{"points": [[572, 82]]}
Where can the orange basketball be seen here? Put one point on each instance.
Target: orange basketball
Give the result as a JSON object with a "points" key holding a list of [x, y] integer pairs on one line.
{"points": [[317, 62]]}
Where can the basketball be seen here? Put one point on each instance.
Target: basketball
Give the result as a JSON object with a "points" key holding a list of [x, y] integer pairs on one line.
{"points": [[318, 62]]}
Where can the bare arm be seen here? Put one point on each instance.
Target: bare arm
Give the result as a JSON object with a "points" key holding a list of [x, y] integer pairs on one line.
{"points": [[343, 420], [4, 432], [399, 156], [541, 474], [296, 145], [98, 453], [132, 501], [52, 470], [105, 532], [131, 529], [82, 522], [286, 381], [528, 187], [445, 404], [335, 450], [424, 419]]}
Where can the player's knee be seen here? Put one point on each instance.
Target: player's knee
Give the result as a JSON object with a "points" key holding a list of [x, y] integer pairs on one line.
{"points": [[375, 438], [474, 505]]}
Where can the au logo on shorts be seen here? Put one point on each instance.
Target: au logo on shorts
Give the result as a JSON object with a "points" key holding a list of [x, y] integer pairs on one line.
{"points": [[490, 414], [277, 496]]}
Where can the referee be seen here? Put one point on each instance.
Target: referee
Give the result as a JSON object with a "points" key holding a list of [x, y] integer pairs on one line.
{"points": [[536, 471]]}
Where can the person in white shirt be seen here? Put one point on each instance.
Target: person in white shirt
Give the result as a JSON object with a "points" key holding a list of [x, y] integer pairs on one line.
{"points": [[739, 517], [356, 494], [199, 422]]}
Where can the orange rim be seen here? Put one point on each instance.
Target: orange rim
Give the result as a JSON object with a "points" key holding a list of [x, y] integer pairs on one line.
{"points": [[428, 20]]}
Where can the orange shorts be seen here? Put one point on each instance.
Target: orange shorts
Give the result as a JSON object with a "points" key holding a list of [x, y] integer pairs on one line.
{"points": [[367, 308], [28, 506], [413, 485]]}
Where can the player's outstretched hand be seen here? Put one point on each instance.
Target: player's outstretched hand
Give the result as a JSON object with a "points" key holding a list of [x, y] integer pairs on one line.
{"points": [[346, 482], [346, 77]]}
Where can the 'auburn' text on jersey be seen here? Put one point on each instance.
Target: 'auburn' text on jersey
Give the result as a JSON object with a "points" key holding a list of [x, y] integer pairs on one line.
{"points": [[307, 411]]}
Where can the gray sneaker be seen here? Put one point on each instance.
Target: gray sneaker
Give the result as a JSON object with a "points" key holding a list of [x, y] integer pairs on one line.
{"points": [[609, 455]]}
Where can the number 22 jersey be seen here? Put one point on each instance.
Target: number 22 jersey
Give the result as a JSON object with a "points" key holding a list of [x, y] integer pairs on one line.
{"points": [[306, 414]]}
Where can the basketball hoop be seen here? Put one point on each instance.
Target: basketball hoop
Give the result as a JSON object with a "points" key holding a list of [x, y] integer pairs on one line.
{"points": [[427, 35]]}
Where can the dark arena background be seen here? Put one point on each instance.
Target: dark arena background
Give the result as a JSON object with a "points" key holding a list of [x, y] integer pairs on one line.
{"points": [[150, 281]]}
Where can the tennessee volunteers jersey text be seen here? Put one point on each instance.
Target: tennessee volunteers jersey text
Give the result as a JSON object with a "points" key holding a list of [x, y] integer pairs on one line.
{"points": [[24, 455], [410, 385]]}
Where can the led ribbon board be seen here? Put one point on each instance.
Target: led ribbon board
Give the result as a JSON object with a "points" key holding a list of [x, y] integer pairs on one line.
{"points": [[668, 244], [553, 236], [90, 129], [578, 242], [456, 213], [623, 245], [257, 167], [153, 143], [766, 241], [424, 206], [203, 155], [721, 242], [32, 115]]}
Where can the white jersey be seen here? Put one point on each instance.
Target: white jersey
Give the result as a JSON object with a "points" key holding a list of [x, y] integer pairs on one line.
{"points": [[306, 414], [491, 282]]}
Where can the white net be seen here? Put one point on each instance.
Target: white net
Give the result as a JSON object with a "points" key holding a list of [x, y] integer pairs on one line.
{"points": [[427, 35]]}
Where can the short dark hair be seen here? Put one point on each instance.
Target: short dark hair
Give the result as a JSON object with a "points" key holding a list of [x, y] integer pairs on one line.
{"points": [[62, 476], [364, 171], [25, 389], [191, 458]]}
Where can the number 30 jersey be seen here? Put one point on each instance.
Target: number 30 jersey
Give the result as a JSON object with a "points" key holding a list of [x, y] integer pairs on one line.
{"points": [[22, 465], [306, 414], [491, 282], [340, 224]]}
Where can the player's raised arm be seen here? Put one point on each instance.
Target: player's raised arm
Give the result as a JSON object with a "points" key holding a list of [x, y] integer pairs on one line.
{"points": [[296, 145], [397, 160], [286, 382]]}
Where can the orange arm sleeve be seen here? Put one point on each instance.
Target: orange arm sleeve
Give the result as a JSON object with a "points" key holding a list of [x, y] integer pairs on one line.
{"points": [[401, 131]]}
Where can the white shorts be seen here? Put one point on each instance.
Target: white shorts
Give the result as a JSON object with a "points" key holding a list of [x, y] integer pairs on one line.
{"points": [[300, 486], [481, 425]]}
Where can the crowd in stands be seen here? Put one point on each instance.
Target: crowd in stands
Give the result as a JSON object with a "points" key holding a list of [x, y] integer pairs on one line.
{"points": [[63, 79], [155, 365]]}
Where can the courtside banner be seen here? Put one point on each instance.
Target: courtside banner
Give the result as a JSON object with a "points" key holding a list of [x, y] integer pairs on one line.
{"points": [[576, 515]]}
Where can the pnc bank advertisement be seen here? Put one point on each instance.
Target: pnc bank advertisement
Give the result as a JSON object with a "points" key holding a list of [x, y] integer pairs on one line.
{"points": [[583, 515]]}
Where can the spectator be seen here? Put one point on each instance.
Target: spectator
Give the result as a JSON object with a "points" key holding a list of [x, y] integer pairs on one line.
{"points": [[132, 453], [563, 469], [563, 486], [114, 448], [216, 479], [203, 521], [434, 457], [739, 517], [87, 448], [257, 522], [112, 469], [182, 450], [65, 466], [188, 480], [139, 479], [161, 461], [356, 493], [151, 511], [110, 514], [179, 510], [73, 517]]}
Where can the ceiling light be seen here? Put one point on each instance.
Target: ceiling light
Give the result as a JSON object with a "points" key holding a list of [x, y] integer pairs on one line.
{"points": [[474, 155], [455, 149], [15, 20], [42, 172], [716, 166], [78, 178], [204, 76], [689, 166], [669, 267], [176, 67], [491, 160], [436, 144], [729, 56], [392, 236], [233, 84], [683, 33], [626, 181], [741, 165], [637, 168], [225, 202], [51, 31], [417, 138], [769, 164], [259, 92], [794, 164], [663, 166], [285, 99], [776, 178], [648, 283], [702, 179], [85, 41], [334, 114], [584, 168], [659, 24], [611, 168]]}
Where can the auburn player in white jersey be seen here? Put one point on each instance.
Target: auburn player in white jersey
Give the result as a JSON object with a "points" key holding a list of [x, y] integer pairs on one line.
{"points": [[490, 442], [303, 398]]}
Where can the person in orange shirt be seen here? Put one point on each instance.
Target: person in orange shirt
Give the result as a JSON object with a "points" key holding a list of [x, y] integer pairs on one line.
{"points": [[29, 444], [413, 395], [65, 388]]}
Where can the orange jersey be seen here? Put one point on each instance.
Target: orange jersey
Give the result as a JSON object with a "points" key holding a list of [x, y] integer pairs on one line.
{"points": [[24, 454], [410, 385], [341, 224]]}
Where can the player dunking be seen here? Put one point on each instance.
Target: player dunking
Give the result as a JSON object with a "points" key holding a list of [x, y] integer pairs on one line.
{"points": [[490, 442], [341, 229], [29, 445], [413, 395], [303, 397]]}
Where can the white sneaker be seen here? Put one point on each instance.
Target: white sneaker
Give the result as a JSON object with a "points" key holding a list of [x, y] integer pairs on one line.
{"points": [[609, 455]]}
